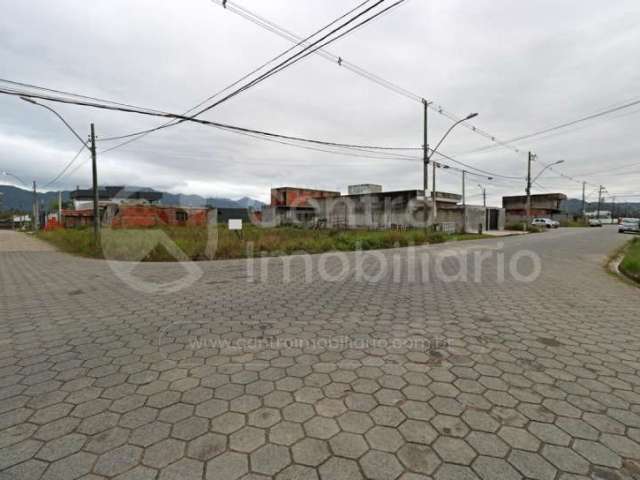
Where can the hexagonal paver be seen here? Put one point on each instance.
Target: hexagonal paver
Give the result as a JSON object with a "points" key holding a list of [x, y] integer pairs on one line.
{"points": [[355, 422], [519, 438], [211, 408], [107, 440], [298, 412], [348, 445], [264, 417], [73, 466], [340, 469], [247, 439], [286, 433], [454, 450], [61, 447], [455, 472], [380, 466], [479, 420], [597, 453], [228, 423], [229, 465], [117, 461], [565, 459], [532, 465], [489, 468], [163, 453], [184, 469], [321, 427], [310, 451], [415, 431], [270, 459], [419, 458], [387, 416], [190, 428], [207, 446], [384, 438], [149, 434], [297, 472]]}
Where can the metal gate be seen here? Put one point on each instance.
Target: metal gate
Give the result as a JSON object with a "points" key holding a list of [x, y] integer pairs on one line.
{"points": [[492, 218]]}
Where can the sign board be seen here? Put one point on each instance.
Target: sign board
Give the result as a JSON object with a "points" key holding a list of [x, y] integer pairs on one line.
{"points": [[235, 224]]}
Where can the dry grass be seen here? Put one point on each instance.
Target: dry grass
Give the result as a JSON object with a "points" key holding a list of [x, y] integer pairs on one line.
{"points": [[179, 243]]}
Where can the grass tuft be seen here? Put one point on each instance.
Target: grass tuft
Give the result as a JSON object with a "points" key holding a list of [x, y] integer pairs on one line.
{"points": [[180, 243]]}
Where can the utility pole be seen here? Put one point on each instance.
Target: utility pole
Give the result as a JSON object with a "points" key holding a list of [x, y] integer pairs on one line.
{"points": [[433, 196], [599, 200], [484, 197], [94, 167], [583, 199], [425, 149], [464, 201], [613, 208], [34, 220], [425, 157], [528, 205], [60, 208]]}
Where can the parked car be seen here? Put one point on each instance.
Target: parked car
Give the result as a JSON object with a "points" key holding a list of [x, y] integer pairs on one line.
{"points": [[595, 222], [545, 222], [629, 225]]}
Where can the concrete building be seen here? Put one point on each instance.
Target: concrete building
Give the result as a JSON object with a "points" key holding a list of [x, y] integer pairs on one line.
{"points": [[403, 208], [548, 205], [83, 199], [364, 188], [290, 205]]}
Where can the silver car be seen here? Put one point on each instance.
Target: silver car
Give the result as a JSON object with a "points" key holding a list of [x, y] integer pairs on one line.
{"points": [[629, 225]]}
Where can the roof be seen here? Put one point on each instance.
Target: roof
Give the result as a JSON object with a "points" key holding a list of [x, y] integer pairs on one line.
{"points": [[545, 196], [305, 189]]}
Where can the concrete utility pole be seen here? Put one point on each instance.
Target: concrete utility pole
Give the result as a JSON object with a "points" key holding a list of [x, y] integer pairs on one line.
{"points": [[94, 168], [599, 200], [34, 219], [464, 201], [434, 207], [528, 205], [583, 199], [484, 196], [425, 149], [60, 207]]}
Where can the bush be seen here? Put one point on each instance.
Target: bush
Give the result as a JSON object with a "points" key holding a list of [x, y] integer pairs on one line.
{"points": [[522, 227], [630, 264]]}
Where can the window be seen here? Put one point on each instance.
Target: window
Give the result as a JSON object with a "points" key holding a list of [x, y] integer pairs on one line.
{"points": [[181, 216]]}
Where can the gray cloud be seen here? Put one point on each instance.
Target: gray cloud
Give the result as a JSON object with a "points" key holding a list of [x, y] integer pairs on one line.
{"points": [[523, 66]]}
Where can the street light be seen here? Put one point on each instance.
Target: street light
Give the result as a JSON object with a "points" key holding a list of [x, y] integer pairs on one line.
{"points": [[548, 166], [9, 174], [484, 195], [464, 173], [92, 148], [430, 156], [30, 100]]}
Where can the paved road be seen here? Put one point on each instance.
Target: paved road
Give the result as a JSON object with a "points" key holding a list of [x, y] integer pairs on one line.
{"points": [[441, 374]]}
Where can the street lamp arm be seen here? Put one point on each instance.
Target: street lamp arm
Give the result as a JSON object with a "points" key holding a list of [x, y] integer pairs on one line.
{"points": [[545, 168], [9, 174], [57, 115], [468, 117]]}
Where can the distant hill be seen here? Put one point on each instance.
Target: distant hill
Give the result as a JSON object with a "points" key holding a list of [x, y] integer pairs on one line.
{"points": [[573, 206], [14, 198]]}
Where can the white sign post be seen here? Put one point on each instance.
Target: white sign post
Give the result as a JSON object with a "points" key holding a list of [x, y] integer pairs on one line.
{"points": [[235, 224]]}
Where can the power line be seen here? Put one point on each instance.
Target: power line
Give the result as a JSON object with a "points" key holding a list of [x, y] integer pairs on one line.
{"points": [[228, 87], [277, 29], [563, 125], [67, 166], [233, 128]]}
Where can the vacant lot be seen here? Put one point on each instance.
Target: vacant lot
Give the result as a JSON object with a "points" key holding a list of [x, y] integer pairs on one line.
{"points": [[199, 243]]}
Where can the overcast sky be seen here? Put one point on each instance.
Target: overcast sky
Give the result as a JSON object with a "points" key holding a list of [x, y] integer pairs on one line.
{"points": [[523, 66]]}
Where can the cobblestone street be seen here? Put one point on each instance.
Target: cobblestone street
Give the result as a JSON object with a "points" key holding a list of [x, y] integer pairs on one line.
{"points": [[262, 371]]}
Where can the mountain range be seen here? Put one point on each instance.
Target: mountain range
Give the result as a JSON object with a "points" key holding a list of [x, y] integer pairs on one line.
{"points": [[19, 199]]}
